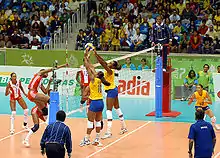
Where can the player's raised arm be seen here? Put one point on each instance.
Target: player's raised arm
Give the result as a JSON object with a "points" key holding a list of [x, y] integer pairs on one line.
{"points": [[102, 62], [42, 72], [88, 68]]}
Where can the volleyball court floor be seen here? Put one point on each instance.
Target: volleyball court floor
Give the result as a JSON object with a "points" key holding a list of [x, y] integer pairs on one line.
{"points": [[147, 137]]}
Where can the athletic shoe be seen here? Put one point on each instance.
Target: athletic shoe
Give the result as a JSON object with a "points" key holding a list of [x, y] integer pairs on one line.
{"points": [[84, 142], [12, 131], [107, 135], [97, 143], [26, 143], [123, 131], [25, 126]]}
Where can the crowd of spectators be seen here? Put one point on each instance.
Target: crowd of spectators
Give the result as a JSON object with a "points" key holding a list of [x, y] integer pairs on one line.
{"points": [[31, 24], [119, 24]]}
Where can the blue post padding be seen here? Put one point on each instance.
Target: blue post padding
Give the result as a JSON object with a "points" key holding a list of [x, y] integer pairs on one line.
{"points": [[158, 86], [53, 107]]}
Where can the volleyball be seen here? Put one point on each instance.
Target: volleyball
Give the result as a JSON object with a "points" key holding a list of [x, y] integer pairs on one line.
{"points": [[89, 46]]}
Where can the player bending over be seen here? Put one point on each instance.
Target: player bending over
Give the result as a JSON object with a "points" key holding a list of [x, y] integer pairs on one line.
{"points": [[202, 101]]}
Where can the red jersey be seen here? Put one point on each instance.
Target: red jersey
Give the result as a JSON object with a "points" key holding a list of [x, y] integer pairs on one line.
{"points": [[35, 83], [84, 77], [15, 91]]}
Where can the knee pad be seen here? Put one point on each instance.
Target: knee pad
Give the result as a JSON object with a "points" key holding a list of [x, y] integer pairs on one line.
{"points": [[109, 114], [13, 114], [102, 125], [213, 119], [26, 112], [118, 111], [82, 101], [35, 128], [90, 124], [98, 124], [45, 111]]}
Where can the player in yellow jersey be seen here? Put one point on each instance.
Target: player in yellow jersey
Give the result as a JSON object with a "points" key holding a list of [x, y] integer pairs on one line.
{"points": [[112, 95], [202, 101], [96, 104]]}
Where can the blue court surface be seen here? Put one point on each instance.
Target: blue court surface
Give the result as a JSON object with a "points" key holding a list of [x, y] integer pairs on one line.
{"points": [[133, 109]]}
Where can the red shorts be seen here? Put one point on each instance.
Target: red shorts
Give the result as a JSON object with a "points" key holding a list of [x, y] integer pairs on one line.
{"points": [[12, 98], [39, 113], [32, 95]]}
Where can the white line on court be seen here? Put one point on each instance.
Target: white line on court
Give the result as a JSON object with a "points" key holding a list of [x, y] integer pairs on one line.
{"points": [[217, 155], [69, 113], [135, 130]]}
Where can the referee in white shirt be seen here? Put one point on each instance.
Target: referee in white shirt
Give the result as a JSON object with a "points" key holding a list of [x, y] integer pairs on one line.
{"points": [[55, 137]]}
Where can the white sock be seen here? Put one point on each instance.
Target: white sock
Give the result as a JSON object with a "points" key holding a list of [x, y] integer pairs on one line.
{"points": [[97, 135], [109, 126], [123, 125], [87, 137], [28, 135], [13, 113], [26, 115]]}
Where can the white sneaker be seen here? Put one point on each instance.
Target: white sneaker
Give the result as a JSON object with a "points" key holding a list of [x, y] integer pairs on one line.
{"points": [[84, 142], [123, 131], [107, 135], [26, 143], [12, 131], [97, 143]]}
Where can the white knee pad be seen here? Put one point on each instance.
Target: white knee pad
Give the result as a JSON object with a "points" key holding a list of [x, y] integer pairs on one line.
{"points": [[13, 113], [213, 119], [89, 124], [26, 112], [109, 114], [98, 124], [118, 111]]}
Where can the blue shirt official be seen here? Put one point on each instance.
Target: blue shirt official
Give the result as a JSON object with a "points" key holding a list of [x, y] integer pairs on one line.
{"points": [[203, 134], [55, 137]]}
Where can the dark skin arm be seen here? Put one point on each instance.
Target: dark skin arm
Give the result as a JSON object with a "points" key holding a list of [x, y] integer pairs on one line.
{"points": [[103, 63], [191, 99], [190, 147], [88, 67], [46, 90], [7, 90], [22, 89]]}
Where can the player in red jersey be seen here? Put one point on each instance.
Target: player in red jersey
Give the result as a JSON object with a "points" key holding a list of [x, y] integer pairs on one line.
{"points": [[33, 95], [83, 78], [37, 115], [14, 88]]}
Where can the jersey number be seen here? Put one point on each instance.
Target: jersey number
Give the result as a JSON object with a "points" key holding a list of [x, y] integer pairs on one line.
{"points": [[100, 88]]}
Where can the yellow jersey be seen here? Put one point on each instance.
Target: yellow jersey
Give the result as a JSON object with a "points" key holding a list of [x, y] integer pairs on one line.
{"points": [[95, 89], [200, 99], [110, 79]]}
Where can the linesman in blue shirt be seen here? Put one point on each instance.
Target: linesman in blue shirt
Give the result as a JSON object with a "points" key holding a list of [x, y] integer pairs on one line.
{"points": [[202, 134], [55, 137]]}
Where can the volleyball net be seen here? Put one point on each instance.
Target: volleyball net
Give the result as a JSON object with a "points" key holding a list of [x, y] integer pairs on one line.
{"points": [[132, 82]]}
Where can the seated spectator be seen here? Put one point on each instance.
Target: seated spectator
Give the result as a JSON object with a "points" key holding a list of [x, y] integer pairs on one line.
{"points": [[122, 36], [135, 24], [188, 13], [8, 43], [181, 6], [144, 27], [174, 17], [174, 45], [217, 28], [203, 28], [143, 65], [211, 32], [15, 38], [92, 38], [32, 36], [115, 41], [24, 14], [195, 43], [80, 40], [35, 44], [208, 45], [138, 41], [217, 16], [2, 42], [178, 28], [217, 46], [3, 17], [117, 20], [128, 64], [131, 34], [44, 18], [184, 42], [192, 27], [24, 42], [64, 17], [189, 86]]}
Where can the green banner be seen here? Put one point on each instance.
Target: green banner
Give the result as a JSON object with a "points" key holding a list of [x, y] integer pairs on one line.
{"points": [[182, 63], [2, 57]]}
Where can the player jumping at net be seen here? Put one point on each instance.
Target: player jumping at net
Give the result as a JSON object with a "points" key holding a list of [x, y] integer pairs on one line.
{"points": [[96, 105], [83, 78], [38, 98], [112, 94], [202, 101], [14, 88], [37, 115]]}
